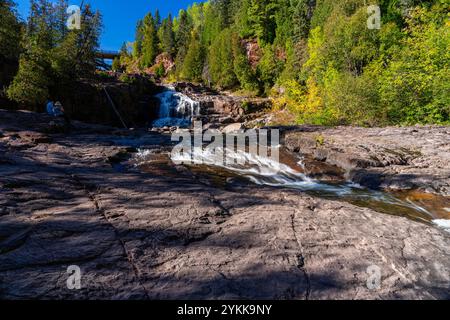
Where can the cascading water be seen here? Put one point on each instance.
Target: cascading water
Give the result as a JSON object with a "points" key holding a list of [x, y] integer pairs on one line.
{"points": [[264, 171], [176, 109]]}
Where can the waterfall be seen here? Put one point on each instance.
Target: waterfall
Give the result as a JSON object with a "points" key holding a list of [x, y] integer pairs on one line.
{"points": [[176, 109]]}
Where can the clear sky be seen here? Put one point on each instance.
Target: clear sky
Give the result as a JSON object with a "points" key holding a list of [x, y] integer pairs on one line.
{"points": [[120, 16]]}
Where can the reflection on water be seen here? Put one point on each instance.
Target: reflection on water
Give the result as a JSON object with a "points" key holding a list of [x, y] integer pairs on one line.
{"points": [[289, 173]]}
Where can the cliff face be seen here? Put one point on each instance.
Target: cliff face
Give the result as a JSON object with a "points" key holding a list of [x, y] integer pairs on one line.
{"points": [[133, 101], [87, 101]]}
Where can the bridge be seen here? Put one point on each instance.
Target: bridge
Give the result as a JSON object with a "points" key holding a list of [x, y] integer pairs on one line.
{"points": [[107, 54]]}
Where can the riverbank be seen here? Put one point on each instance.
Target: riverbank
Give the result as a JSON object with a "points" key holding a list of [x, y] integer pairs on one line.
{"points": [[165, 233], [396, 158]]}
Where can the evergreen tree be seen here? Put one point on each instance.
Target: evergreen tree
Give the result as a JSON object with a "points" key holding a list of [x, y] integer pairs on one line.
{"points": [[139, 38], [31, 84], [261, 15], [116, 66], [182, 37], [301, 16], [157, 19], [220, 60], [87, 42], [10, 31], [167, 37], [212, 25], [224, 12], [53, 59], [194, 60], [149, 43]]}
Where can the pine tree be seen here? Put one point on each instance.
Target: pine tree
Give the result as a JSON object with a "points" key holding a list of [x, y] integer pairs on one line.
{"points": [[220, 61], [301, 18], [182, 38], [243, 20], [138, 39], [212, 25], [53, 59], [116, 66], [167, 37], [261, 15], [194, 60], [10, 31], [87, 41], [157, 19], [224, 12], [31, 84], [149, 43], [124, 50]]}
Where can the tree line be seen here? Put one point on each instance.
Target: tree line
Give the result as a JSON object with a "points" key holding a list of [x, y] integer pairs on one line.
{"points": [[316, 58], [50, 56]]}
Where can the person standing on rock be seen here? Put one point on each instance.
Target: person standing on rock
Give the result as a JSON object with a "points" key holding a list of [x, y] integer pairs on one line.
{"points": [[50, 108]]}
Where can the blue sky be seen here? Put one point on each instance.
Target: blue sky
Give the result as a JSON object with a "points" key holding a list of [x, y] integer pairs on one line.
{"points": [[120, 17]]}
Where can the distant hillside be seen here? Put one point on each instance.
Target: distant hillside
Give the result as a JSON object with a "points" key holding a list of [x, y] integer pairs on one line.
{"points": [[326, 61]]}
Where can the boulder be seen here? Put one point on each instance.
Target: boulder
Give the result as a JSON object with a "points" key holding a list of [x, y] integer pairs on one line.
{"points": [[234, 127]]}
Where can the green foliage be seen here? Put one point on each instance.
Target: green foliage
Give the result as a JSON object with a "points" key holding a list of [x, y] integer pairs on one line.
{"points": [[193, 62], [149, 41], [10, 30], [167, 36], [182, 37], [318, 57], [54, 57], [300, 19], [244, 73], [116, 65], [160, 71], [270, 67], [139, 38], [261, 15], [416, 85], [220, 60], [32, 82], [127, 79]]}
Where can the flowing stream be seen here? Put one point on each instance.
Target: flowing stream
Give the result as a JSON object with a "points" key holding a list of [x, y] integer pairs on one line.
{"points": [[418, 206], [177, 110]]}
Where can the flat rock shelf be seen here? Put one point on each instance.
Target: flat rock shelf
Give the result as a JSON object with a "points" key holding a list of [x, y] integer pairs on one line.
{"points": [[163, 233]]}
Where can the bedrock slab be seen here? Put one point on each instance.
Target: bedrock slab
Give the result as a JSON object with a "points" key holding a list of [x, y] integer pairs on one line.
{"points": [[392, 157], [163, 234]]}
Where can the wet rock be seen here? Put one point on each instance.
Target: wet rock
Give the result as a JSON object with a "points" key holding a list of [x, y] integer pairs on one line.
{"points": [[392, 157]]}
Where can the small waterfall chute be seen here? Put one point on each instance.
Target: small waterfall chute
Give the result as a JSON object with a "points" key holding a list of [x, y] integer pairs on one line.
{"points": [[176, 109]]}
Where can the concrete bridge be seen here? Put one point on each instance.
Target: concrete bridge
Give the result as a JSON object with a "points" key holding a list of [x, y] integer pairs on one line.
{"points": [[107, 54]]}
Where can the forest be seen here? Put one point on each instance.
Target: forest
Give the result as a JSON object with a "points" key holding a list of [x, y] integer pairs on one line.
{"points": [[318, 59], [45, 58]]}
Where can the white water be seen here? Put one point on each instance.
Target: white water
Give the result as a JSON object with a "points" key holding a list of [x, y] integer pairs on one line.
{"points": [[265, 171], [443, 223], [176, 109], [261, 170]]}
